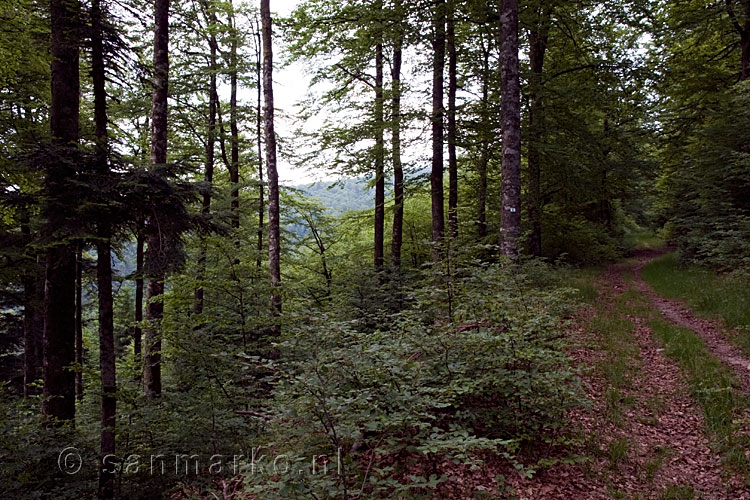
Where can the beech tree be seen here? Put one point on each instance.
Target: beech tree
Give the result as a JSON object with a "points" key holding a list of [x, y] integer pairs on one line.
{"points": [[436, 174], [209, 12], [398, 170], [538, 40], [510, 214], [274, 228], [451, 122]]}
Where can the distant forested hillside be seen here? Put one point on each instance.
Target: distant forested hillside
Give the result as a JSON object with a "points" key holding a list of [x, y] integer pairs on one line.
{"points": [[340, 196]]}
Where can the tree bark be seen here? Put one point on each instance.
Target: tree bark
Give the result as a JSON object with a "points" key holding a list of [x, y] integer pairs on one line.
{"points": [[436, 175], [152, 340], [274, 233], [33, 319], [59, 297], [398, 171], [208, 174], [137, 331], [79, 323], [484, 158], [379, 157], [104, 265], [510, 217], [259, 137], [538, 37], [452, 159], [234, 172], [155, 288], [743, 29]]}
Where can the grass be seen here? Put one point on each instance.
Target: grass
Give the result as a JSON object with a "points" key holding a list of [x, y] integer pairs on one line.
{"points": [[618, 451], [652, 465], [582, 280], [711, 383], [615, 335], [705, 292], [643, 238], [677, 492], [713, 386]]}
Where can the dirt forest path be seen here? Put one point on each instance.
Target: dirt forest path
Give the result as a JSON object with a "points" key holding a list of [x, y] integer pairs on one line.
{"points": [[709, 330], [657, 446]]}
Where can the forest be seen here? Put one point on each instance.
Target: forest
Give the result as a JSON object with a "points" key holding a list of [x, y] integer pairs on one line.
{"points": [[375, 249]]}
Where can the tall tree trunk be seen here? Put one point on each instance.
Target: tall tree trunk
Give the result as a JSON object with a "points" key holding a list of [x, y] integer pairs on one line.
{"points": [[742, 27], [33, 319], [452, 159], [484, 158], [510, 216], [259, 137], [155, 288], [274, 233], [79, 322], [398, 171], [104, 265], [208, 176], [379, 157], [538, 37], [436, 175], [59, 297], [137, 331], [234, 172]]}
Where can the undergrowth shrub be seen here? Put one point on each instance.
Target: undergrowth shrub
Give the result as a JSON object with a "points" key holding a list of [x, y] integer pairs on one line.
{"points": [[577, 239], [362, 411]]}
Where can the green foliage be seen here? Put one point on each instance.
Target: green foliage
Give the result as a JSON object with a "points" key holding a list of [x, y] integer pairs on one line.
{"points": [[711, 212], [706, 292], [32, 465], [382, 402], [577, 239], [713, 385]]}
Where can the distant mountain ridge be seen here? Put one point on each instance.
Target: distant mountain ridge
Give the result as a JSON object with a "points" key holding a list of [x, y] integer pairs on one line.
{"points": [[339, 196]]}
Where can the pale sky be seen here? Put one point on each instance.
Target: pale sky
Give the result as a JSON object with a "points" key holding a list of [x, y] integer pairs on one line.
{"points": [[290, 86]]}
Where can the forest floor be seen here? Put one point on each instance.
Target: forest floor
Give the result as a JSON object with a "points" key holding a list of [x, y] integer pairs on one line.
{"points": [[668, 418]]}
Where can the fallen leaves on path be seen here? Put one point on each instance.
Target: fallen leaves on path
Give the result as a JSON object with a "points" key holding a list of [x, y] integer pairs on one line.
{"points": [[662, 431]]}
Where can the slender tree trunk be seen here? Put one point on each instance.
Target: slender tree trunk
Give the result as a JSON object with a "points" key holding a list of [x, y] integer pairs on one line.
{"points": [[210, 148], [742, 27], [436, 176], [259, 137], [104, 266], [484, 158], [137, 332], [152, 340], [155, 288], [274, 233], [33, 325], [234, 173], [398, 171], [379, 159], [452, 159], [79, 323], [33, 319], [510, 218], [107, 366], [538, 46], [59, 297]]}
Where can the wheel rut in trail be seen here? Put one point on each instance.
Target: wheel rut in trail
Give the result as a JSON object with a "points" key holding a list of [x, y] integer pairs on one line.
{"points": [[711, 331], [662, 427], [675, 431]]}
